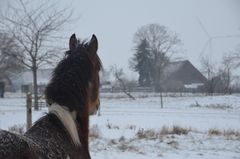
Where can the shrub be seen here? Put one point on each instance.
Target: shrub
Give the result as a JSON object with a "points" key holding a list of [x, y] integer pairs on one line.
{"points": [[231, 132], [174, 130], [180, 131], [214, 131], [147, 134]]}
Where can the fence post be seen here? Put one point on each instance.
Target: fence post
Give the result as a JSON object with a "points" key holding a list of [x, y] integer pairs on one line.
{"points": [[99, 113], [29, 110]]}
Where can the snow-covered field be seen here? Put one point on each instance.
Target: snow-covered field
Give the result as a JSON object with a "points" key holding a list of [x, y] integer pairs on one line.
{"points": [[187, 127]]}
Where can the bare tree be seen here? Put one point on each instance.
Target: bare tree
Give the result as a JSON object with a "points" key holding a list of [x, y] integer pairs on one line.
{"points": [[234, 56], [119, 76], [209, 70], [207, 67], [218, 81], [231, 62], [163, 44], [34, 27], [227, 77]]}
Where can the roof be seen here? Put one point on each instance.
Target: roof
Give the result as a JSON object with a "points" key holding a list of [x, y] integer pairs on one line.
{"points": [[173, 67], [183, 71]]}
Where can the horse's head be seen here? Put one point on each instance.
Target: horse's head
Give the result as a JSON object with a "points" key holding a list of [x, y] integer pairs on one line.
{"points": [[90, 49], [75, 80]]}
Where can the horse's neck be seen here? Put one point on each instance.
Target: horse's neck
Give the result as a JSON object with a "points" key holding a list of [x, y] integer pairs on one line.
{"points": [[68, 120], [83, 134], [83, 129], [76, 124]]}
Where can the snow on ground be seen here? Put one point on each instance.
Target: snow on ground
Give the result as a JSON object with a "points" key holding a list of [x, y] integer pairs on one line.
{"points": [[133, 129]]}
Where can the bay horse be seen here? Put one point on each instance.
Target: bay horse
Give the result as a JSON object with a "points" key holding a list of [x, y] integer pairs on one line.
{"points": [[72, 95]]}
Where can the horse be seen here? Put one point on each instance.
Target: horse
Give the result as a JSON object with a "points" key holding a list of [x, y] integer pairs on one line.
{"points": [[72, 95]]}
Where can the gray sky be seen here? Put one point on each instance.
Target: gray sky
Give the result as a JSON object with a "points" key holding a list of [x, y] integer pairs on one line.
{"points": [[115, 22]]}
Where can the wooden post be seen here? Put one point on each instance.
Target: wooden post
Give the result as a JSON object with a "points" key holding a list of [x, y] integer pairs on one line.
{"points": [[29, 110], [161, 98], [99, 113]]}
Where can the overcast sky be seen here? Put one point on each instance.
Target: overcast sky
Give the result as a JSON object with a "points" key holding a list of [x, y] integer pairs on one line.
{"points": [[115, 22]]}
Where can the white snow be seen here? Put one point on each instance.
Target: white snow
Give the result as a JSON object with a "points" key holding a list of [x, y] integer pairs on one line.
{"points": [[122, 119], [193, 85]]}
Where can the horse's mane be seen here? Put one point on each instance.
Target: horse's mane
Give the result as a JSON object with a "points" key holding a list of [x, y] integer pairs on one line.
{"points": [[70, 79]]}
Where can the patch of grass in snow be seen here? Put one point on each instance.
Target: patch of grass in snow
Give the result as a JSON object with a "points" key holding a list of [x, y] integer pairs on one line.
{"points": [[177, 130], [196, 104], [165, 130], [166, 139], [111, 126], [214, 132], [125, 146], [219, 106], [223, 106], [147, 134], [131, 127], [229, 134]]}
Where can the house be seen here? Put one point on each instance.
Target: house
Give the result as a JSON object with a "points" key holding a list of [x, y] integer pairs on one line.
{"points": [[5, 84], [182, 75], [24, 80], [177, 76]]}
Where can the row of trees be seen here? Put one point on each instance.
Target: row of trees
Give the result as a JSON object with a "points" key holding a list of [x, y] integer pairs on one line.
{"points": [[220, 79]]}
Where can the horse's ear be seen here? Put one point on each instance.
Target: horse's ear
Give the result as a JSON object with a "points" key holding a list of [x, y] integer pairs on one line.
{"points": [[72, 42], [93, 45]]}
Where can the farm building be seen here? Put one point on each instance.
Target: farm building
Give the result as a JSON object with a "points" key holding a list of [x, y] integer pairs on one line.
{"points": [[24, 80], [182, 75], [42, 79], [5, 84], [177, 77]]}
